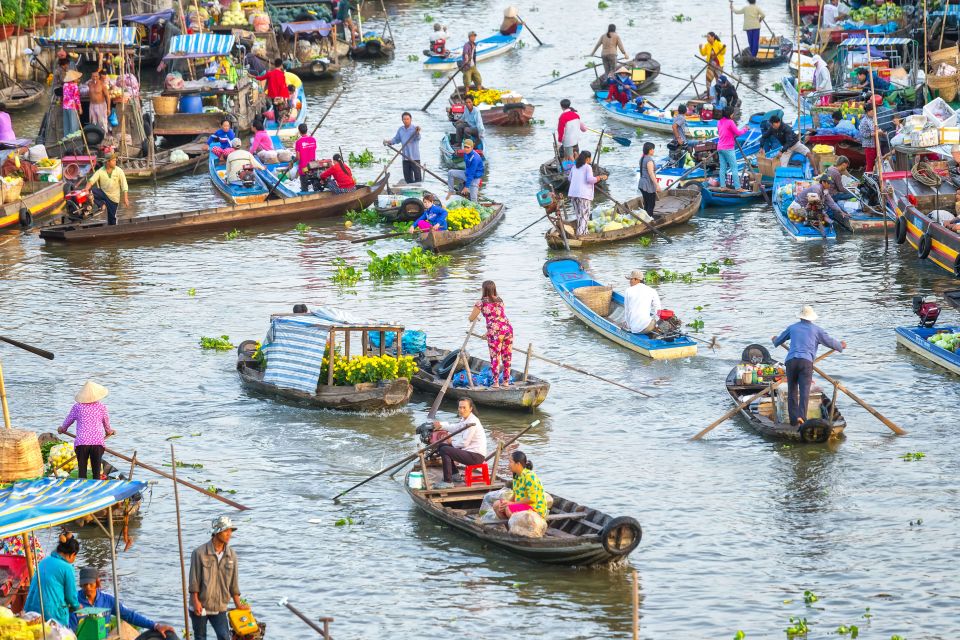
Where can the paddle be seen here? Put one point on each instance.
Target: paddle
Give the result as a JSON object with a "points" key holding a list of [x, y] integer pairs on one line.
{"points": [[43, 353], [624, 207], [763, 192], [621, 140], [530, 225], [440, 90], [524, 23], [689, 82], [395, 234], [589, 66], [431, 173], [744, 83]]}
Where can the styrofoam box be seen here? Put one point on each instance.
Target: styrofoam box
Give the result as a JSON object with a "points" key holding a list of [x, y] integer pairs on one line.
{"points": [[949, 135], [940, 106]]}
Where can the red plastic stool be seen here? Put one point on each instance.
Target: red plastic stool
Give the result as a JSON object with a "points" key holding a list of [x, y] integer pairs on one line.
{"points": [[470, 478]]}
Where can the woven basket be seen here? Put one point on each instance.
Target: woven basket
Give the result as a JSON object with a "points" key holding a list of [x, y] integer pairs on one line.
{"points": [[11, 192], [948, 55], [165, 105], [596, 298], [20, 457], [946, 86]]}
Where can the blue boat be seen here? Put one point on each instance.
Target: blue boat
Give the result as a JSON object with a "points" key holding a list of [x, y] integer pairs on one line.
{"points": [[916, 339], [235, 193], [489, 47], [270, 175], [452, 157], [798, 230], [567, 275], [648, 117], [717, 197]]}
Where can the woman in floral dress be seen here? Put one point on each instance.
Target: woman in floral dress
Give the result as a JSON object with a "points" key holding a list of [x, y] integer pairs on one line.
{"points": [[72, 108], [499, 333]]}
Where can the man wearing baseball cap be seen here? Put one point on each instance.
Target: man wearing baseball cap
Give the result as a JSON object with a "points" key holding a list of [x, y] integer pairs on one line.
{"points": [[90, 595], [640, 304], [213, 582]]}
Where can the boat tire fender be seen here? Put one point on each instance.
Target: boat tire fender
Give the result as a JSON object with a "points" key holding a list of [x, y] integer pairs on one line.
{"points": [[318, 68], [93, 134], [26, 218], [756, 350], [511, 106], [546, 264], [247, 348], [956, 267], [621, 535], [412, 206], [923, 248], [153, 634], [446, 364], [900, 230], [815, 431]]}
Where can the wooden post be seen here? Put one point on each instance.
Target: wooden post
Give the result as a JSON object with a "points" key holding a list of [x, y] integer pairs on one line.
{"points": [[526, 362], [346, 343], [113, 568], [330, 360], [796, 40], [383, 339], [183, 571], [3, 401], [496, 461], [817, 39], [364, 342], [833, 405], [133, 465], [399, 343], [423, 469], [876, 126], [636, 605], [28, 552], [466, 365]]}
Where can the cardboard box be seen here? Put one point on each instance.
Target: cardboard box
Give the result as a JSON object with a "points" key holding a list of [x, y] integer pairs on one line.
{"points": [[950, 135], [767, 166]]}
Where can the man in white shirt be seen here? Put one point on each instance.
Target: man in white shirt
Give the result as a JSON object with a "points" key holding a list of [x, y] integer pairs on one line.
{"points": [[468, 448], [237, 160], [832, 13], [640, 304]]}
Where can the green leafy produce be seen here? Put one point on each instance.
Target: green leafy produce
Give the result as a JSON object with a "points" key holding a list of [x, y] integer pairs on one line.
{"points": [[400, 263], [216, 344], [45, 449], [912, 456], [342, 522], [191, 291], [366, 217], [345, 275], [412, 57], [365, 159], [302, 227], [232, 235], [809, 597]]}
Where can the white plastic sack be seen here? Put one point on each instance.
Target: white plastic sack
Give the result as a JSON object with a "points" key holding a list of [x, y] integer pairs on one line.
{"points": [[284, 155], [59, 632], [527, 523], [486, 513], [178, 155]]}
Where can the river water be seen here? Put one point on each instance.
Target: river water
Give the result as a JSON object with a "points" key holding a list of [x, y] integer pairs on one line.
{"points": [[736, 528]]}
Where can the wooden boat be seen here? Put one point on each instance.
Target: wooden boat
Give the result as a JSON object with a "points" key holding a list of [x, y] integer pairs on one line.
{"points": [[643, 71], [802, 231], [576, 534], [137, 169], [36, 199], [652, 119], [724, 197], [489, 47], [842, 144], [674, 209], [290, 128], [304, 208], [762, 414], [772, 51], [311, 49], [858, 215], [567, 275], [917, 338], [253, 193], [914, 204], [440, 241], [552, 177], [373, 47], [452, 157], [521, 395], [20, 95], [404, 202], [385, 395], [510, 114]]}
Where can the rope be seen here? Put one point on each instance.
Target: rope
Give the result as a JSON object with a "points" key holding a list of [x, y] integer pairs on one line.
{"points": [[924, 173]]}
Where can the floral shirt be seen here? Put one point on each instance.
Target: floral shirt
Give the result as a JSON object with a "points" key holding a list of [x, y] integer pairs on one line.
{"points": [[866, 133], [93, 423], [493, 313], [71, 96], [527, 485]]}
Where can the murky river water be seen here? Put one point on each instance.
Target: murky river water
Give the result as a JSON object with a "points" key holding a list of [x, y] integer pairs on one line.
{"points": [[735, 527]]}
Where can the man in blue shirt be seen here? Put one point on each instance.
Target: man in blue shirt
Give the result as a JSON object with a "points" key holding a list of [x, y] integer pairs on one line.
{"points": [[434, 216], [804, 337], [90, 595], [408, 137], [470, 123], [841, 126], [470, 174]]}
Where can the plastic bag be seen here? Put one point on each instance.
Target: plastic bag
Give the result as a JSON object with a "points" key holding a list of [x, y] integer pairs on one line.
{"points": [[58, 457], [486, 512], [527, 523], [59, 632]]}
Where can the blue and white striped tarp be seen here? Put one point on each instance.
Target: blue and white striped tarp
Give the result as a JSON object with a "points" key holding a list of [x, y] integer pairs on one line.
{"points": [[200, 44], [294, 349], [875, 42], [47, 502], [93, 35]]}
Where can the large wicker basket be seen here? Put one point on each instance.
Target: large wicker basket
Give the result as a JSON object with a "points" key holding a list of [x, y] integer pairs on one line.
{"points": [[597, 298], [948, 55], [11, 191], [165, 105], [20, 457], [946, 86]]}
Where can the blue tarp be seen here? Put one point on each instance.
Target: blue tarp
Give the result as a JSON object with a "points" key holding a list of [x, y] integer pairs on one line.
{"points": [[92, 35], [875, 42], [294, 349], [198, 45], [150, 19], [47, 502]]}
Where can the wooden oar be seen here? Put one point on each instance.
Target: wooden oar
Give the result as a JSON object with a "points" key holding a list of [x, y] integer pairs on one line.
{"points": [[621, 140], [43, 353], [530, 225], [439, 91], [431, 173], [747, 85], [510, 442], [524, 23], [586, 68], [876, 414], [689, 82], [624, 207], [395, 234], [763, 192]]}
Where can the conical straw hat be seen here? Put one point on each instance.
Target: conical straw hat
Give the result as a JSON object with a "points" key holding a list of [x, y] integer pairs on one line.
{"points": [[91, 392]]}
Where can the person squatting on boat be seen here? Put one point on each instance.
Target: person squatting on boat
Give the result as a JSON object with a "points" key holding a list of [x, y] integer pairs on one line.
{"points": [[788, 139], [468, 447], [809, 202], [339, 177], [641, 304], [433, 217], [471, 174]]}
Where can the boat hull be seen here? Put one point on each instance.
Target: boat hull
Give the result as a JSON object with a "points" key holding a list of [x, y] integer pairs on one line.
{"points": [[915, 339], [21, 95], [46, 198], [440, 241], [629, 115], [944, 244], [235, 194], [800, 231], [489, 47]]}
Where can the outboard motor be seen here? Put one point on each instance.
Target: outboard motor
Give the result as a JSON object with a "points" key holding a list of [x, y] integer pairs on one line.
{"points": [[668, 324], [927, 310], [870, 191], [246, 176]]}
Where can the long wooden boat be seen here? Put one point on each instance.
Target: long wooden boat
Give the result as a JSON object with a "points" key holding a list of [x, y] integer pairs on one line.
{"points": [[723, 197], [304, 208], [323, 63], [137, 169], [368, 396], [674, 209], [373, 47], [21, 95], [521, 395], [36, 199], [761, 414], [801, 230], [913, 204], [567, 275], [576, 534], [858, 216], [408, 199], [440, 241], [642, 61], [234, 193], [489, 47], [917, 339], [772, 51], [652, 119], [554, 178], [495, 115]]}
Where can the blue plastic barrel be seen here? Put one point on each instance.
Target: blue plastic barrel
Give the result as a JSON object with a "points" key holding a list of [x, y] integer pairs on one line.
{"points": [[191, 104]]}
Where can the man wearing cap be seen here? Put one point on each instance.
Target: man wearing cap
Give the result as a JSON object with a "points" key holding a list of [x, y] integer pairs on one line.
{"points": [[213, 582], [90, 595], [469, 64], [640, 304], [471, 173], [820, 190], [805, 337], [107, 185], [237, 161]]}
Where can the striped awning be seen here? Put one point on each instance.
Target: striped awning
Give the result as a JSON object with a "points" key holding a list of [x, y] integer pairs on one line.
{"points": [[93, 35], [876, 42], [198, 45], [37, 504]]}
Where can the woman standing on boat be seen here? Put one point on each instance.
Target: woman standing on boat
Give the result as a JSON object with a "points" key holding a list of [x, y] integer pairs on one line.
{"points": [[93, 427], [581, 189], [72, 108], [648, 178], [53, 590], [727, 132], [610, 43], [499, 333], [527, 489], [752, 16], [713, 52]]}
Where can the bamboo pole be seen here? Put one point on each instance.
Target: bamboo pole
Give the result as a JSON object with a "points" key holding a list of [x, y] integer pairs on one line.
{"points": [[183, 571], [817, 40], [636, 605], [3, 400], [926, 41], [113, 567], [122, 79], [796, 39], [876, 139]]}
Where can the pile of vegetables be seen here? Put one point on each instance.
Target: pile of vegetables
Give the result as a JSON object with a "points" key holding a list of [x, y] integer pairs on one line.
{"points": [[216, 344], [946, 340], [465, 214], [62, 458], [606, 218], [234, 16], [298, 12], [400, 263], [864, 14], [360, 369], [889, 12]]}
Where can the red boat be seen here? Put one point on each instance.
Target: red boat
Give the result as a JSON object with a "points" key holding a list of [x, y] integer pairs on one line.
{"points": [[843, 145]]}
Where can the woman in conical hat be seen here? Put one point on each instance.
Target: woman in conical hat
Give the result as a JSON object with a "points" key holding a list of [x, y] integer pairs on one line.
{"points": [[93, 427]]}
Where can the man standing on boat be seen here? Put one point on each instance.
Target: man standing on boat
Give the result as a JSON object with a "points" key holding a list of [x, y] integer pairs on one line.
{"points": [[832, 12], [805, 337], [213, 582], [640, 304], [99, 101], [469, 64], [470, 446], [107, 185], [277, 91], [408, 137], [569, 128]]}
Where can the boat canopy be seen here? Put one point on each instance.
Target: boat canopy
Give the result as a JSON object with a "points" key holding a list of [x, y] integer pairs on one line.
{"points": [[876, 42], [200, 45], [311, 26], [150, 19], [36, 504], [85, 36]]}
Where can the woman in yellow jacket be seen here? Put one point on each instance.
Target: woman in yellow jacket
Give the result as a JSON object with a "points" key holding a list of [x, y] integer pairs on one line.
{"points": [[713, 51]]}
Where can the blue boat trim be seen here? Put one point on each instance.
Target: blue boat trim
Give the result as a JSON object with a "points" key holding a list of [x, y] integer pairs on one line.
{"points": [[915, 339], [236, 194], [486, 48]]}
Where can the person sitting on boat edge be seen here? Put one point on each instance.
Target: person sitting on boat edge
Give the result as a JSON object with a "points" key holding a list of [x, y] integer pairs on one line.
{"points": [[836, 173], [237, 162], [725, 94], [470, 446], [527, 490], [434, 216], [788, 139], [805, 337], [821, 190], [56, 582], [261, 139], [91, 595], [470, 123], [339, 177], [620, 86], [219, 141], [640, 304], [471, 174]]}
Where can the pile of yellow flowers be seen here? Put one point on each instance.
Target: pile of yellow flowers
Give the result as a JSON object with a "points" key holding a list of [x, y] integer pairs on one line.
{"points": [[360, 369], [462, 218], [487, 96]]}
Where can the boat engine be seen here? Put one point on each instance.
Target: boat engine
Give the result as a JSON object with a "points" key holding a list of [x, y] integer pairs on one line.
{"points": [[870, 191], [79, 205], [668, 324], [927, 310], [815, 211], [246, 176]]}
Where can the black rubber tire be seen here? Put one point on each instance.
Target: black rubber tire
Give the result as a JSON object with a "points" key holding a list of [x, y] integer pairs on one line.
{"points": [[621, 535], [924, 246], [815, 431], [443, 368], [514, 105], [746, 355], [643, 56], [956, 267], [318, 68], [900, 230], [156, 635], [93, 134], [411, 206], [551, 260], [26, 218]]}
